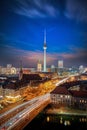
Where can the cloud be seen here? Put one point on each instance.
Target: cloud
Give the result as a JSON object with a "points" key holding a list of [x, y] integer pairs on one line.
{"points": [[30, 13], [72, 9], [76, 9], [13, 56], [35, 8], [51, 11]]}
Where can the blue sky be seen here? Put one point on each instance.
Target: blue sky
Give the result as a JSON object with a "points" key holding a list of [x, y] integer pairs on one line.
{"points": [[22, 24]]}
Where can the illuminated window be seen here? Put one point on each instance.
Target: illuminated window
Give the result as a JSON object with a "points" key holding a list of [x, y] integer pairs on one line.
{"points": [[61, 96], [66, 96], [80, 101]]}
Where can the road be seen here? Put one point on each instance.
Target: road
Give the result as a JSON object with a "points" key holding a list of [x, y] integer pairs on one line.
{"points": [[65, 79], [21, 113], [29, 112], [9, 114]]}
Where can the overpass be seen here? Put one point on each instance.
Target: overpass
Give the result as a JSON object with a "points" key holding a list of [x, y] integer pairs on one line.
{"points": [[24, 113], [22, 118], [68, 78]]}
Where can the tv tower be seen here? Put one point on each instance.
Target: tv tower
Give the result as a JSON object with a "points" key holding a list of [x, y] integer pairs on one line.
{"points": [[45, 47]]}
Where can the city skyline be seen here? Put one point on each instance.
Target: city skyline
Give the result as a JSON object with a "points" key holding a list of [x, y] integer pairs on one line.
{"points": [[22, 25]]}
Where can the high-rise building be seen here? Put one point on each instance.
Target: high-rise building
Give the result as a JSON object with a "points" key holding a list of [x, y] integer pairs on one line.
{"points": [[39, 66], [52, 68], [60, 64], [81, 69], [45, 47], [9, 65]]}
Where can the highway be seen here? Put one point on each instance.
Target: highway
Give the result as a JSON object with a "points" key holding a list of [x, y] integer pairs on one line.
{"points": [[65, 79], [20, 117], [25, 112], [7, 115]]}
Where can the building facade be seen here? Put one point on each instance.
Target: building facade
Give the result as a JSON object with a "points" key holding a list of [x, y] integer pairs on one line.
{"points": [[61, 96]]}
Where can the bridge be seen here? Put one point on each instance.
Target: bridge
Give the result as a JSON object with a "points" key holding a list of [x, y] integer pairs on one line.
{"points": [[18, 117], [22, 118]]}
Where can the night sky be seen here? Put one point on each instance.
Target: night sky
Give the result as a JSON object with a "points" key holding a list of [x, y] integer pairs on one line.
{"points": [[22, 24]]}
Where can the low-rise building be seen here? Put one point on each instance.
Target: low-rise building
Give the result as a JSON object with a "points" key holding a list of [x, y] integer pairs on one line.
{"points": [[61, 96], [83, 76], [14, 87], [79, 99]]}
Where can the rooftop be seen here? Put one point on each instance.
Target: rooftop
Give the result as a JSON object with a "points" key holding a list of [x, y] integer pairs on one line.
{"points": [[61, 90], [31, 77], [82, 94]]}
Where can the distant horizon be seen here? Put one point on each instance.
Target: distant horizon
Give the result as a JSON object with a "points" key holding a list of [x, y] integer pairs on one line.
{"points": [[22, 25], [56, 66]]}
